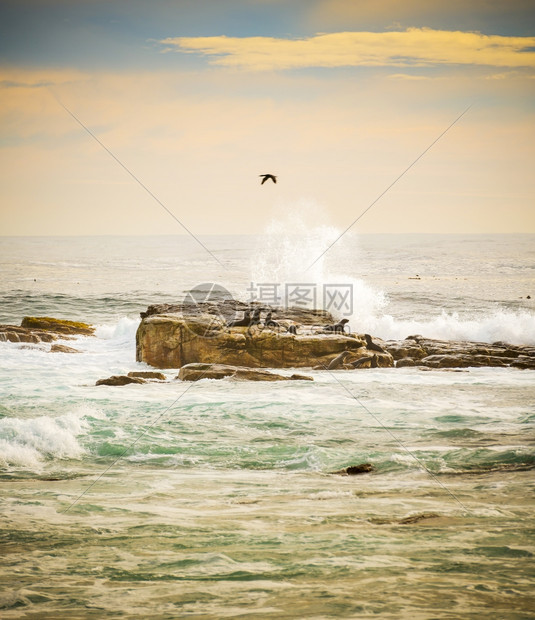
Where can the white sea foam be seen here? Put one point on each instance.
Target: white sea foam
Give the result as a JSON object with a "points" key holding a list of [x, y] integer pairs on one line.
{"points": [[124, 329], [515, 327], [27, 442]]}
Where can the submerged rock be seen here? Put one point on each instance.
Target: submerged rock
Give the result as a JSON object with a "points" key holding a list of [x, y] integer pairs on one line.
{"points": [[195, 372], [354, 470], [120, 380], [62, 348], [410, 520]]}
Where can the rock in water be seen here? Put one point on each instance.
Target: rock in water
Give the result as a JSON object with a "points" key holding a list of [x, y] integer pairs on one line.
{"points": [[174, 340], [354, 470], [59, 326], [62, 348], [119, 380], [15, 333], [195, 372], [147, 374]]}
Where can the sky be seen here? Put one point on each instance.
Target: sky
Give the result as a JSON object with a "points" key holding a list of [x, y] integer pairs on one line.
{"points": [[114, 113]]}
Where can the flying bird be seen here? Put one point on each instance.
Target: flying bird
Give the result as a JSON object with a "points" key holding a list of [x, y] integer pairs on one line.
{"points": [[266, 177]]}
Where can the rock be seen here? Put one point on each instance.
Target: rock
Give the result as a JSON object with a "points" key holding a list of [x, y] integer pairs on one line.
{"points": [[58, 326], [15, 333], [181, 334], [410, 520], [147, 374], [524, 363], [194, 372], [404, 349], [120, 380], [227, 310], [62, 348], [175, 340], [422, 516], [406, 361], [442, 354], [354, 470]]}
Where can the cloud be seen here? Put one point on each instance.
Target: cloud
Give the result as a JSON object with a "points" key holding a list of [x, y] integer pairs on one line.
{"points": [[405, 76], [414, 47]]}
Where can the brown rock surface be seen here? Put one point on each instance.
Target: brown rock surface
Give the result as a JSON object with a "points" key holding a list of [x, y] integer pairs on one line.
{"points": [[119, 380], [355, 470], [195, 372], [430, 353], [174, 340], [147, 374], [62, 348], [15, 333]]}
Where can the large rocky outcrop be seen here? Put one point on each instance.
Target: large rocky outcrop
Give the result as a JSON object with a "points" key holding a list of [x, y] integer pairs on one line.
{"points": [[199, 334], [171, 336]]}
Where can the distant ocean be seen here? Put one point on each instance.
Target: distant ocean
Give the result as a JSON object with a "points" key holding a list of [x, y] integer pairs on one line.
{"points": [[223, 504]]}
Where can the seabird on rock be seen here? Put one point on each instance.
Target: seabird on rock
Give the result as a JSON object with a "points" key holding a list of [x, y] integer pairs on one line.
{"points": [[266, 177]]}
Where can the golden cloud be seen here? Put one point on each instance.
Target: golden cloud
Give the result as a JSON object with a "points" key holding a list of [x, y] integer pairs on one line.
{"points": [[418, 47]]}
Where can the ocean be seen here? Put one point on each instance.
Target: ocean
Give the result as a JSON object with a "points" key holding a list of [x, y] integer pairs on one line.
{"points": [[216, 499]]}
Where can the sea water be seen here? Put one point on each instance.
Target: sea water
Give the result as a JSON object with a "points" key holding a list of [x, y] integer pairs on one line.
{"points": [[216, 499]]}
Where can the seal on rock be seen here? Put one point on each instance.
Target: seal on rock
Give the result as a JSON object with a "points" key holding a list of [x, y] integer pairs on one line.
{"points": [[244, 322], [337, 328], [255, 320], [338, 361], [269, 322], [371, 345], [359, 362]]}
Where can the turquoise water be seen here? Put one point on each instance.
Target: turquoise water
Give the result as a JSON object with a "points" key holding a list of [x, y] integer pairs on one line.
{"points": [[216, 499]]}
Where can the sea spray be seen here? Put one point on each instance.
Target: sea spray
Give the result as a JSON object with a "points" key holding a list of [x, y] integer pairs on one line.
{"points": [[300, 249], [294, 256]]}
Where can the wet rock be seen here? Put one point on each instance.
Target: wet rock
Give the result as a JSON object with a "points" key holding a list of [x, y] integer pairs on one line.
{"points": [[15, 333], [58, 326], [524, 363], [410, 520], [422, 516], [355, 470], [62, 348], [147, 374], [443, 354], [406, 361], [120, 380], [197, 371]]}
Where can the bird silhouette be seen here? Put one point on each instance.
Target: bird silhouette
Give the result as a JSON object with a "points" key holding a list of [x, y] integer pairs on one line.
{"points": [[266, 177]]}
